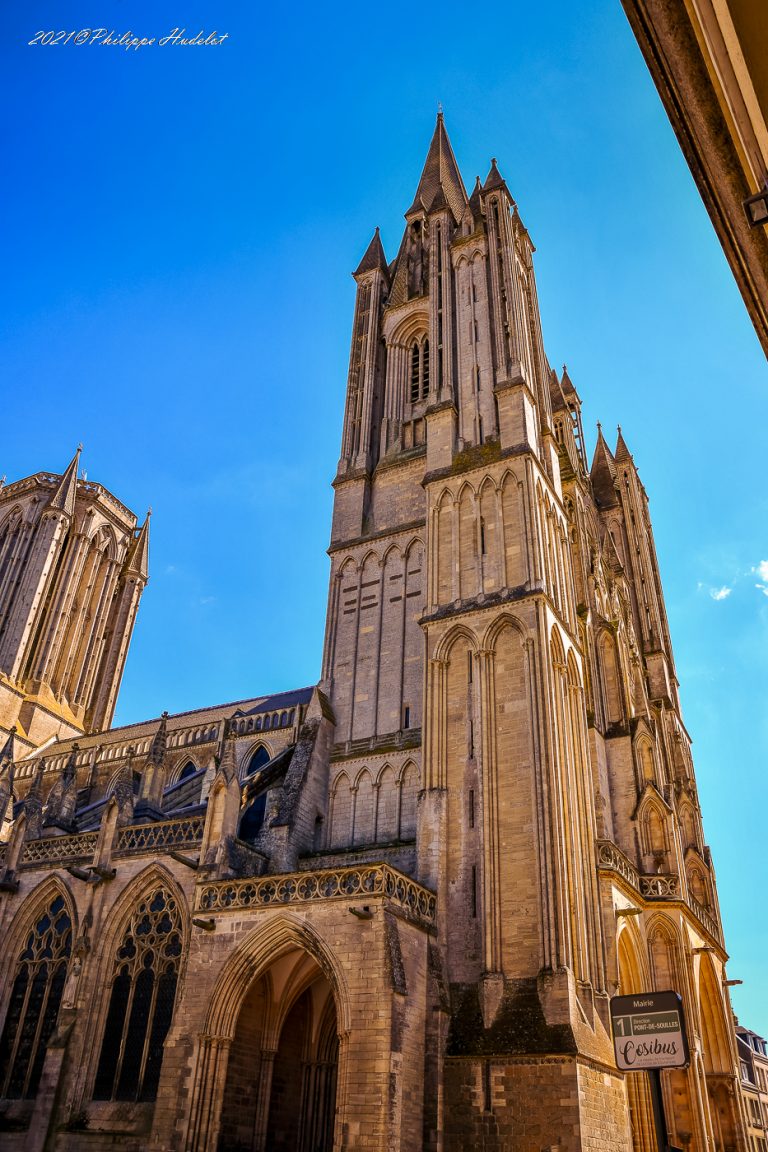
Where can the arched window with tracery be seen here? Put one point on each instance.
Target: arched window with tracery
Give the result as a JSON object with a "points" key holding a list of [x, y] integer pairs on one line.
{"points": [[38, 983], [141, 1002]]}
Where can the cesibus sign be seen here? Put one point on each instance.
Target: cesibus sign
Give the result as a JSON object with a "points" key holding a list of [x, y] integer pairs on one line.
{"points": [[649, 1031]]}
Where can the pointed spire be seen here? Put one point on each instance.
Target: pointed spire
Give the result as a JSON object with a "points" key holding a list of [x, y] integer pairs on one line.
{"points": [[61, 805], [63, 499], [494, 179], [157, 748], [474, 200], [440, 174], [622, 452], [6, 774], [567, 385], [556, 393], [228, 767], [36, 787], [603, 473], [6, 756], [374, 258], [123, 790], [70, 768], [137, 560]]}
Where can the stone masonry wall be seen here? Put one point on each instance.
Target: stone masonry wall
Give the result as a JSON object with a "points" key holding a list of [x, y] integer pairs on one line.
{"points": [[550, 1104]]}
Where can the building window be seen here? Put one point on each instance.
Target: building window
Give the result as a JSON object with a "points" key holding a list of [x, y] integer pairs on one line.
{"points": [[257, 761], [419, 371], [414, 373], [34, 1003], [252, 819], [141, 1003]]}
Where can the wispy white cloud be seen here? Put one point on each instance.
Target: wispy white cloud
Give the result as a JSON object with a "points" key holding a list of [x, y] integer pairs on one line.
{"points": [[718, 592], [761, 570], [721, 593]]}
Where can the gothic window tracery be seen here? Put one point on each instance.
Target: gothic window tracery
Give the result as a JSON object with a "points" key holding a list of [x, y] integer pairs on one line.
{"points": [[141, 1002], [34, 1002]]}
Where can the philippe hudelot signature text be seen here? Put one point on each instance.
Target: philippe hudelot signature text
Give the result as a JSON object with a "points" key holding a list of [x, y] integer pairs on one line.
{"points": [[106, 37]]}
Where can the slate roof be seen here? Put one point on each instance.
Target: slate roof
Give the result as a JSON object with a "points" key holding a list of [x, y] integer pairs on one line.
{"points": [[440, 176]]}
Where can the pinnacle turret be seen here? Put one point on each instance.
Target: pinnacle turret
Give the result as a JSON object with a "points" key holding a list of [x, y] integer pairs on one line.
{"points": [[567, 385], [622, 452], [228, 766], [494, 179], [157, 748], [374, 258], [36, 787], [603, 473], [6, 755], [475, 204], [556, 393], [137, 560], [63, 499]]}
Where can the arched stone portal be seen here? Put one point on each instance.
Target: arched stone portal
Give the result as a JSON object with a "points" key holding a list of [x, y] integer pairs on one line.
{"points": [[280, 1092]]}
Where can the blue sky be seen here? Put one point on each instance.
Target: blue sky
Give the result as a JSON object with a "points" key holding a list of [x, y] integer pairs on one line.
{"points": [[180, 224]]}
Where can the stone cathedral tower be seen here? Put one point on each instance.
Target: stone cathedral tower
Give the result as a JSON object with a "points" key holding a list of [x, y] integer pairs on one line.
{"points": [[73, 565], [496, 616], [386, 912]]}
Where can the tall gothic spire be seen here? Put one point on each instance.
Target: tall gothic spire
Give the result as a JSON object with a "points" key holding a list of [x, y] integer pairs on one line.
{"points": [[440, 176]]}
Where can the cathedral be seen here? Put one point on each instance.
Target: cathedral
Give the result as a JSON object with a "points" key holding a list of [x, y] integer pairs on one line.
{"points": [[386, 912]]}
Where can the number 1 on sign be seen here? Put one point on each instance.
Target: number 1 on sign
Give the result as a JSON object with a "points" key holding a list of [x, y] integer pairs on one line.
{"points": [[620, 1026]]}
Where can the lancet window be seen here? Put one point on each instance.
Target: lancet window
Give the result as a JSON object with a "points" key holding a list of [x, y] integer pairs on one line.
{"points": [[35, 998], [141, 1002], [259, 758], [419, 370]]}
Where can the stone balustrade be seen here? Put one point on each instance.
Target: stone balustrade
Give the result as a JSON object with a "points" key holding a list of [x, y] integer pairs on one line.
{"points": [[329, 884]]}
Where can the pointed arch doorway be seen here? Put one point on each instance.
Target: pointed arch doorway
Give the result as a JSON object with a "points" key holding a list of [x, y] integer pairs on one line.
{"points": [[280, 1093]]}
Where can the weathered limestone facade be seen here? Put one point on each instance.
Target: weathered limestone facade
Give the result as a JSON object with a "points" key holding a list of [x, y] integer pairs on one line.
{"points": [[388, 911]]}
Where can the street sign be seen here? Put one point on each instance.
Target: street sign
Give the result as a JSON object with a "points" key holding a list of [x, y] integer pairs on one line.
{"points": [[649, 1031]]}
